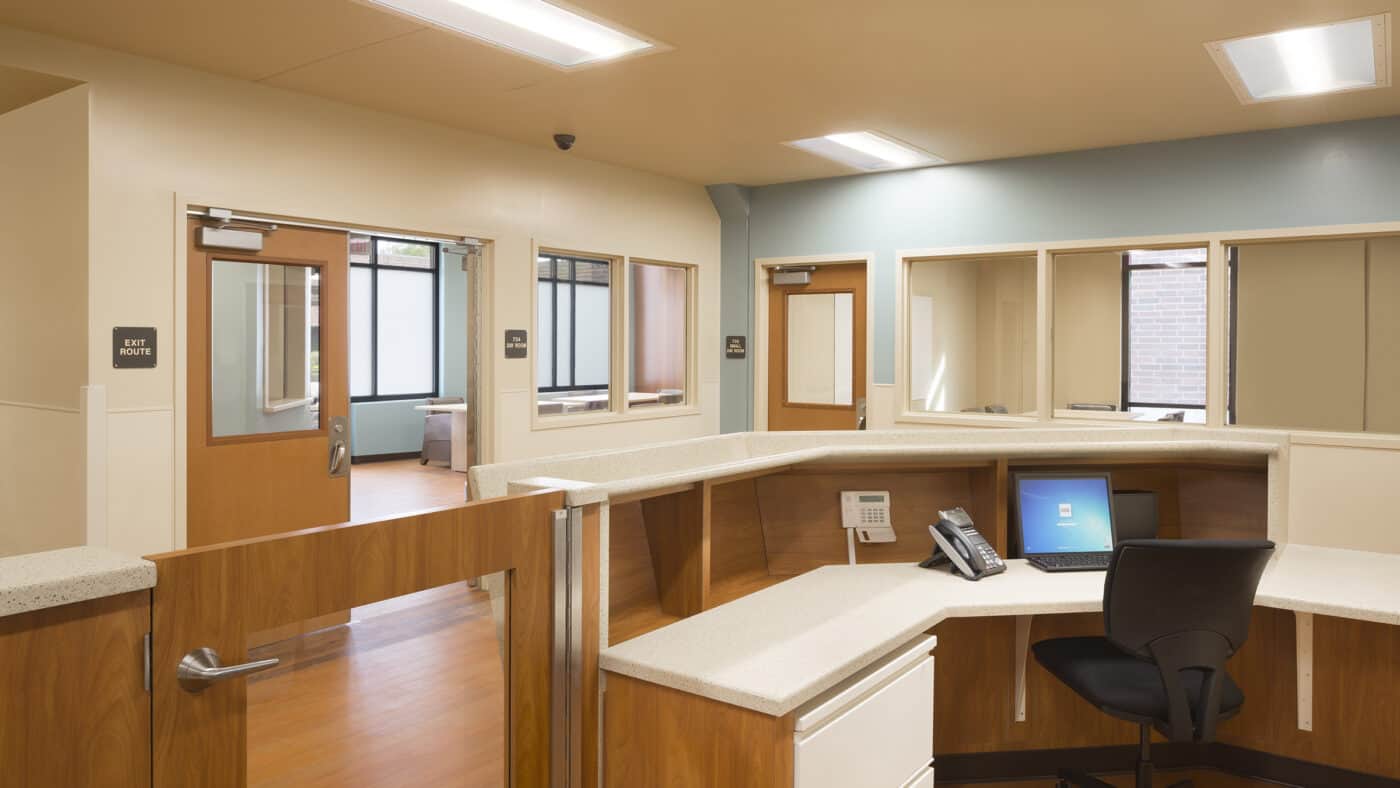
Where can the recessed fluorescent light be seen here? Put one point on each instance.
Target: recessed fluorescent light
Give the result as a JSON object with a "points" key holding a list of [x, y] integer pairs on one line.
{"points": [[535, 28], [866, 150], [1350, 55]]}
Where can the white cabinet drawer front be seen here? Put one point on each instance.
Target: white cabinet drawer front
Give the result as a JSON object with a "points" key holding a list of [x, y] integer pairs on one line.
{"points": [[878, 742]]}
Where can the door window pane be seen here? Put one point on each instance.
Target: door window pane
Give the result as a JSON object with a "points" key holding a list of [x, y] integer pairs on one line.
{"points": [[657, 346], [820, 348], [260, 359]]}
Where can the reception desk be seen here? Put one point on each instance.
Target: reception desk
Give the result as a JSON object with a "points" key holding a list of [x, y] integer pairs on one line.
{"points": [[723, 589]]}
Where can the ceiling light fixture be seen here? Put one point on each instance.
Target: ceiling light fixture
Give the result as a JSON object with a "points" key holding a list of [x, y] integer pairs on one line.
{"points": [[866, 150], [540, 30], [1330, 58]]}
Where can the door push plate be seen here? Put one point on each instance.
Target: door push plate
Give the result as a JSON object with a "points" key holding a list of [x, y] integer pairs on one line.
{"points": [[340, 447]]}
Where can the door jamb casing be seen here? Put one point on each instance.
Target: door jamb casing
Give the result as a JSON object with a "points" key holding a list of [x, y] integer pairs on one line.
{"points": [[760, 344]]}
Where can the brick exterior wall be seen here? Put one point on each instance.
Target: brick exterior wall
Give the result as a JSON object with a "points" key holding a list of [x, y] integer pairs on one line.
{"points": [[1167, 335]]}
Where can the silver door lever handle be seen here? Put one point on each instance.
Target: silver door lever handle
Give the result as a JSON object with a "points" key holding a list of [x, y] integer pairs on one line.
{"points": [[201, 668]]}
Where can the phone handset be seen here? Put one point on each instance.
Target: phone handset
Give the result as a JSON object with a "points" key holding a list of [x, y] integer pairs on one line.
{"points": [[957, 540]]}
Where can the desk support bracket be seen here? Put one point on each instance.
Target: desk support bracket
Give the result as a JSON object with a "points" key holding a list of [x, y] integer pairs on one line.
{"points": [[1303, 629], [1023, 646]]}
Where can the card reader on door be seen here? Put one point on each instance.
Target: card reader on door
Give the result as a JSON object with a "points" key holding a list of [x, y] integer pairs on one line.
{"points": [[868, 513]]}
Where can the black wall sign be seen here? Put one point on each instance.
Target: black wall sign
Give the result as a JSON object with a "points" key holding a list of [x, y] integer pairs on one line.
{"points": [[735, 347], [517, 343], [133, 348]]}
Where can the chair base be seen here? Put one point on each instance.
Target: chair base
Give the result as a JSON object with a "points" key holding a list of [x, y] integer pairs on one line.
{"points": [[1065, 778]]}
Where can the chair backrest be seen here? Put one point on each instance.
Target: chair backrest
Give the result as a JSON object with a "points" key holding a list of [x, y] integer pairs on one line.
{"points": [[1184, 604]]}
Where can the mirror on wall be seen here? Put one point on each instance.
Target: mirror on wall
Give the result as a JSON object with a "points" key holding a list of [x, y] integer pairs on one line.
{"points": [[1314, 327], [971, 325], [264, 348], [1130, 334], [820, 348]]}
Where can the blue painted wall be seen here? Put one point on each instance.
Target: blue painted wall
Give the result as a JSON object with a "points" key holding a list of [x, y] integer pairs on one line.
{"points": [[394, 427], [1330, 174]]}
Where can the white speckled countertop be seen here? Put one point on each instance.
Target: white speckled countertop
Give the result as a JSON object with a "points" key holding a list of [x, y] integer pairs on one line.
{"points": [[74, 574], [775, 649], [597, 478]]}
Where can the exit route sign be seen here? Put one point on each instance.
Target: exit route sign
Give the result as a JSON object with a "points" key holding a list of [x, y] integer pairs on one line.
{"points": [[133, 348]]}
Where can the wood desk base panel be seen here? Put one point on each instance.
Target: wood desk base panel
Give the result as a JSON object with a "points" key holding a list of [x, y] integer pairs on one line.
{"points": [[659, 736], [73, 708]]}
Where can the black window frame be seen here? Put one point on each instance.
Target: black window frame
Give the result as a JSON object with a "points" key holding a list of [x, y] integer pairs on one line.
{"points": [[572, 283], [374, 266], [1126, 404]]}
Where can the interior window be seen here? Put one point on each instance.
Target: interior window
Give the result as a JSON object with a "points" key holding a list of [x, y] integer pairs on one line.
{"points": [[574, 351], [1164, 369], [658, 309], [1130, 334], [972, 335], [393, 319], [1313, 330]]}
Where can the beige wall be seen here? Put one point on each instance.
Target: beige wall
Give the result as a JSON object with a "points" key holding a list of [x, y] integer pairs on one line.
{"points": [[43, 318], [1383, 336], [158, 131], [1301, 335], [1088, 333]]}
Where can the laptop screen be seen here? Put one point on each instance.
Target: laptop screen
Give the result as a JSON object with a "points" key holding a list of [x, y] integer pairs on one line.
{"points": [[1065, 514]]}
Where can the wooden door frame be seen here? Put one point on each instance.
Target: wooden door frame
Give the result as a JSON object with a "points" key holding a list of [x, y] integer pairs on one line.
{"points": [[762, 289], [213, 596], [177, 347]]}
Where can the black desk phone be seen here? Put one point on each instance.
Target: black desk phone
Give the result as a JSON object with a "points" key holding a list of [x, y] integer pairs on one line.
{"points": [[956, 540]]}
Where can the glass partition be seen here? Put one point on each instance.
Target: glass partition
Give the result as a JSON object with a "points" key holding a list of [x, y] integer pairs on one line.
{"points": [[1130, 334], [658, 336], [972, 335], [1314, 327]]}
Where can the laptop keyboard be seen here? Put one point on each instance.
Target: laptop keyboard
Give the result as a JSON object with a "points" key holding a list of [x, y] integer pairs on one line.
{"points": [[1063, 561]]}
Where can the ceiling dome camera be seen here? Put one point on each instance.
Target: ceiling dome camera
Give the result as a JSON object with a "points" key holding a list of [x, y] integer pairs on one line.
{"points": [[564, 141]]}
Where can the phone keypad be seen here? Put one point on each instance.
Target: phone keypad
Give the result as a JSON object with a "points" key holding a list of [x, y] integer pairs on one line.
{"points": [[872, 516]]}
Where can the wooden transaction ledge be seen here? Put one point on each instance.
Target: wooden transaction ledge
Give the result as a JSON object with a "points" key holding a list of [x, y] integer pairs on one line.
{"points": [[708, 602]]}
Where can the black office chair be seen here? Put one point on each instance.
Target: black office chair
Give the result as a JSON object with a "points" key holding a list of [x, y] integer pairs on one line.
{"points": [[1174, 610]]}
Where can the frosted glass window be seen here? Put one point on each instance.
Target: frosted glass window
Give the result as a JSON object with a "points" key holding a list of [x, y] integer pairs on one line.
{"points": [[544, 331], [406, 336], [592, 330], [394, 303], [361, 332]]}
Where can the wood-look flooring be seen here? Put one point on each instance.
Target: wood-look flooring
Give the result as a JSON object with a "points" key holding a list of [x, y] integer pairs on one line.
{"points": [[410, 693], [379, 490]]}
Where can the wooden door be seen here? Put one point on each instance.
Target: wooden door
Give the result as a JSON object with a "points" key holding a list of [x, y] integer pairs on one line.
{"points": [[816, 351], [212, 597], [268, 386]]}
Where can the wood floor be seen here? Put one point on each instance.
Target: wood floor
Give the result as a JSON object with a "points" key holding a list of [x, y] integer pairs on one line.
{"points": [[411, 693], [383, 489]]}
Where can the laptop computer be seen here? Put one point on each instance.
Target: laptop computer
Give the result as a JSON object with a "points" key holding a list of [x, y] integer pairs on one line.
{"points": [[1065, 520]]}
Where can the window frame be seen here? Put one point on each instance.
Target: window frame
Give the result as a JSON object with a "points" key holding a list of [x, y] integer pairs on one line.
{"points": [[374, 266], [1125, 403]]}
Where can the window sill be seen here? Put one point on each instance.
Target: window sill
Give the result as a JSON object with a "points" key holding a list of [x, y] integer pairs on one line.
{"points": [[649, 413], [966, 419]]}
